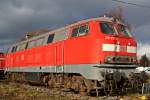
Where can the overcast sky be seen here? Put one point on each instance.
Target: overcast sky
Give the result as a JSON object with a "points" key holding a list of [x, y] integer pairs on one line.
{"points": [[20, 16]]}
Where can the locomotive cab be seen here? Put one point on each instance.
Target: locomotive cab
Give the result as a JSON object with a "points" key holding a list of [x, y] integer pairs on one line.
{"points": [[118, 46]]}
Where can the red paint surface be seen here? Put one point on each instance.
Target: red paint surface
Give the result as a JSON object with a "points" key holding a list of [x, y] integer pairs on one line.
{"points": [[2, 61]]}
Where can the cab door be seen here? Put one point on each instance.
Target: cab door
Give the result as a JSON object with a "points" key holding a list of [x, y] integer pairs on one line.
{"points": [[59, 39]]}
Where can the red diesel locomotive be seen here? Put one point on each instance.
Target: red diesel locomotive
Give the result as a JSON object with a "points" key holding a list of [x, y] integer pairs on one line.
{"points": [[91, 54]]}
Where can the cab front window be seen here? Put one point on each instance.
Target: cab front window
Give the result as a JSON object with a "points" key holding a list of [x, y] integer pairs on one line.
{"points": [[107, 28], [123, 31]]}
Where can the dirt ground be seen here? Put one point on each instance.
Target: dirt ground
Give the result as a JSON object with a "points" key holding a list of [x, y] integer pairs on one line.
{"points": [[14, 91], [17, 91]]}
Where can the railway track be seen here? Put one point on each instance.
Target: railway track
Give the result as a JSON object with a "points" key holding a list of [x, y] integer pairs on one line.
{"points": [[79, 85], [58, 92], [63, 94]]}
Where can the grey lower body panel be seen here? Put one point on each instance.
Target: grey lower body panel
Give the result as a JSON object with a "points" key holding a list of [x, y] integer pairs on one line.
{"points": [[89, 71]]}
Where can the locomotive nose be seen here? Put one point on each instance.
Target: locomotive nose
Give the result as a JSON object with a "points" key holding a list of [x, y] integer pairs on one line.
{"points": [[120, 51]]}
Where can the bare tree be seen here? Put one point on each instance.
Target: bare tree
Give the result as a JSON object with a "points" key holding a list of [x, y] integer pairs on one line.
{"points": [[116, 13], [144, 61]]}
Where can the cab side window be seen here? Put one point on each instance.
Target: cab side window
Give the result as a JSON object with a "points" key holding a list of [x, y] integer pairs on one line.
{"points": [[75, 32], [83, 30], [80, 31]]}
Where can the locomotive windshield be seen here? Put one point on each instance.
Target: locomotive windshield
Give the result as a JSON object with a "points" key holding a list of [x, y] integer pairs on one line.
{"points": [[107, 28], [113, 29], [123, 30]]}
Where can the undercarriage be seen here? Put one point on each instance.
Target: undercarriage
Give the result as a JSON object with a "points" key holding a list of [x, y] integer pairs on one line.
{"points": [[113, 83]]}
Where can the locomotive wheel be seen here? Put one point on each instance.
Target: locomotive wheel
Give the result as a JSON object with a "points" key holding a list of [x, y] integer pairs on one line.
{"points": [[51, 82], [78, 84], [67, 82]]}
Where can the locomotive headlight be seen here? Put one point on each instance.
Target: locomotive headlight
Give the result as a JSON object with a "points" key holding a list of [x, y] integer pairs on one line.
{"points": [[109, 59]]}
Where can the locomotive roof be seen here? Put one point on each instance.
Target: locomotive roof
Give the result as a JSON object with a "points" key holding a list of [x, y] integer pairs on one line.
{"points": [[105, 19]]}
